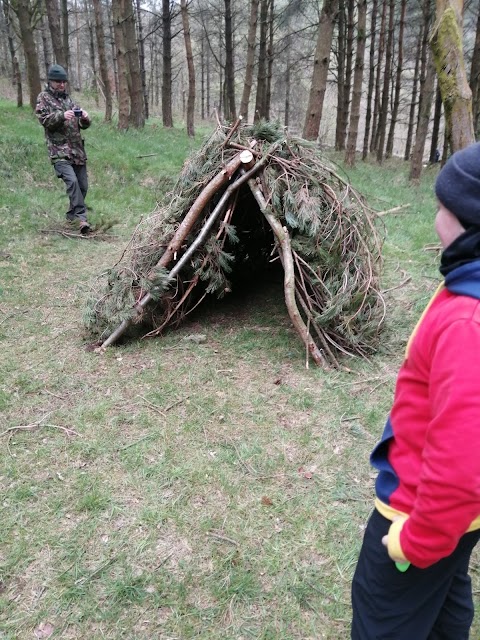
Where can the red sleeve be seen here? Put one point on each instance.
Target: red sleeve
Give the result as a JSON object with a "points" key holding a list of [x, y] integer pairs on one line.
{"points": [[448, 495]]}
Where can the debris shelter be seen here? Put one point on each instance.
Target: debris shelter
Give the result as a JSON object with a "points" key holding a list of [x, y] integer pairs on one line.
{"points": [[252, 194]]}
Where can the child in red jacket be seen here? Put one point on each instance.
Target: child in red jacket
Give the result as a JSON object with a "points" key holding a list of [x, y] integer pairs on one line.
{"points": [[411, 581]]}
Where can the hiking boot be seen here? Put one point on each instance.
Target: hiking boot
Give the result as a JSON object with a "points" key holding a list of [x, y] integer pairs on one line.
{"points": [[85, 228]]}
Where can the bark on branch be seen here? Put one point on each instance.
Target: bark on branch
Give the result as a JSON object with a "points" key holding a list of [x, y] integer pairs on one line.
{"points": [[285, 251], [186, 226]]}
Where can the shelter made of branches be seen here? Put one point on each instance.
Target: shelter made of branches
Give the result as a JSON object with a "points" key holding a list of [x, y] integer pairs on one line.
{"points": [[252, 194]]}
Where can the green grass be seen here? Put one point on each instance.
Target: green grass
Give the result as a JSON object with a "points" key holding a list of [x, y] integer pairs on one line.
{"points": [[169, 489]]}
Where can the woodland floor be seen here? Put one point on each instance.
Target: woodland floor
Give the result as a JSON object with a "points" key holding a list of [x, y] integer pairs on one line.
{"points": [[201, 485]]}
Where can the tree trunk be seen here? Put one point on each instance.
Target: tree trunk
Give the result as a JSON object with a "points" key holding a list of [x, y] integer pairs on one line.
{"points": [[371, 80], [342, 120], [155, 80], [221, 84], [475, 78], [5, 58], [423, 122], [91, 50], [341, 53], [137, 114], [376, 101], [141, 56], [102, 58], [207, 82], [191, 70], [123, 94], [398, 81], [446, 43], [270, 56], [251, 38], [47, 59], [260, 98], [230, 107], [65, 33], [78, 57], [111, 32], [320, 70], [382, 122], [24, 10], [16, 75], [424, 56], [288, 74], [167, 118], [455, 5], [53, 16], [357, 83], [413, 102], [434, 151], [202, 76]]}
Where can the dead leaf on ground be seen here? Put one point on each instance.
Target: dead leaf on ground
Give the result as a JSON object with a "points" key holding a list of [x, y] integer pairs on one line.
{"points": [[44, 630], [305, 473]]}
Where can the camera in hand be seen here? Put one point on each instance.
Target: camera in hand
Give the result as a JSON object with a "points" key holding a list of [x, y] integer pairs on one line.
{"points": [[77, 112]]}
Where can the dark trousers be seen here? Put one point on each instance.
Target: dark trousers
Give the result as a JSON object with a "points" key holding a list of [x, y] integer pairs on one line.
{"points": [[420, 604], [76, 180]]}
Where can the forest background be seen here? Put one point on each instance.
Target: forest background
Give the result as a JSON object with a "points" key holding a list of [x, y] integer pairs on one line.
{"points": [[358, 76]]}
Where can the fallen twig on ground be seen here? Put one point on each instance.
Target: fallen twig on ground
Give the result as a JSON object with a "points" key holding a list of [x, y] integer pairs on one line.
{"points": [[95, 235], [394, 210], [435, 246], [219, 536], [37, 425], [398, 286]]}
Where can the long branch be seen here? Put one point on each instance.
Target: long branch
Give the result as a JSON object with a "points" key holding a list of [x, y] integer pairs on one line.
{"points": [[183, 231], [198, 206], [289, 275], [194, 281]]}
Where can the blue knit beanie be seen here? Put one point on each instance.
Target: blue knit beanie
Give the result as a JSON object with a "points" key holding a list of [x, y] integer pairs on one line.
{"points": [[458, 185]]}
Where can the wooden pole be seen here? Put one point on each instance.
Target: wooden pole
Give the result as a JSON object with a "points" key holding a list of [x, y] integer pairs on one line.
{"points": [[185, 228], [285, 250]]}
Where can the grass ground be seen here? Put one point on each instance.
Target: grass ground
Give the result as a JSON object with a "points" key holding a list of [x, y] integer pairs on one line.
{"points": [[173, 488]]}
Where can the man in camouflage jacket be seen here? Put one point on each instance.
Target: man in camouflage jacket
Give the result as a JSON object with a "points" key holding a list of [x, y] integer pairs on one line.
{"points": [[62, 122]]}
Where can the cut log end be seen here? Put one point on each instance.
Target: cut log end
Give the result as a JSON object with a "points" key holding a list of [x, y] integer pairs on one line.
{"points": [[246, 158]]}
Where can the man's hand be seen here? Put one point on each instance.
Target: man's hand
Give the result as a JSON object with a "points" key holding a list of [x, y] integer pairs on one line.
{"points": [[69, 115]]}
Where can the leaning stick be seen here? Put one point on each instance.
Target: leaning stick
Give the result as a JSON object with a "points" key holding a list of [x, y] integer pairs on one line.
{"points": [[195, 279], [283, 239], [185, 228], [232, 131], [195, 210]]}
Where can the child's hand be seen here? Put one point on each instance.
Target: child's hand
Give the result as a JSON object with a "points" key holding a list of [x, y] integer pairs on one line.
{"points": [[395, 559]]}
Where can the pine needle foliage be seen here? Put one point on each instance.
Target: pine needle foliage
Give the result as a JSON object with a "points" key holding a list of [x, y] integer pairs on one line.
{"points": [[336, 244]]}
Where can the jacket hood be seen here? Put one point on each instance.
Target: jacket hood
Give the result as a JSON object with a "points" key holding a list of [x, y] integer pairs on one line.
{"points": [[465, 280]]}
